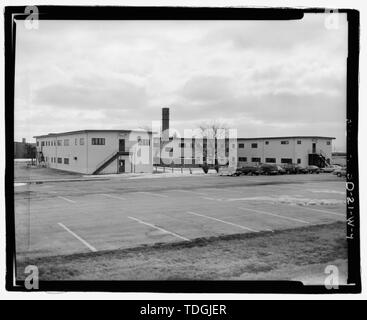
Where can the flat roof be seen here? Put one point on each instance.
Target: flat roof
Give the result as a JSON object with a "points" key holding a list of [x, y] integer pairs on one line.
{"points": [[287, 137], [87, 131], [268, 138]]}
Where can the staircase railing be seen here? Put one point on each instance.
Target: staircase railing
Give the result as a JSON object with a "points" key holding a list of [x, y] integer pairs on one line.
{"points": [[106, 159]]}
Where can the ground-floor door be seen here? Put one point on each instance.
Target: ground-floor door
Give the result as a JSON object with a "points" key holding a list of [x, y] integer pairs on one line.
{"points": [[121, 166]]}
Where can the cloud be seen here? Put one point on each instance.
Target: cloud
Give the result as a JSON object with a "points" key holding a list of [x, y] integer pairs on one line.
{"points": [[92, 95], [207, 88], [264, 77]]}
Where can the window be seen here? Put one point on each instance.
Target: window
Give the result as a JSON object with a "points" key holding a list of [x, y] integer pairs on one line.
{"points": [[266, 142], [66, 160], [270, 160], [38, 143], [42, 143], [299, 142], [66, 142], [182, 145], [286, 160], [59, 160], [142, 142], [76, 141], [241, 145], [242, 159], [81, 141], [46, 159], [298, 161], [328, 143], [284, 142], [98, 141], [59, 142], [255, 159], [253, 145]]}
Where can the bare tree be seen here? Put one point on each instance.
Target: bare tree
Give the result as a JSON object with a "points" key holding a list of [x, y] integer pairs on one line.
{"points": [[213, 131]]}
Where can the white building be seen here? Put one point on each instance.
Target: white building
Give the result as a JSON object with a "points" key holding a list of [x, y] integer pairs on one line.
{"points": [[97, 151], [302, 150]]}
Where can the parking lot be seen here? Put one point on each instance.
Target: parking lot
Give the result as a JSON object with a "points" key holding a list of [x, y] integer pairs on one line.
{"points": [[61, 218]]}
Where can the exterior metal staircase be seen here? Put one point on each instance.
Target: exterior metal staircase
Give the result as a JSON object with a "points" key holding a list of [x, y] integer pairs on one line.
{"points": [[318, 159], [106, 162]]}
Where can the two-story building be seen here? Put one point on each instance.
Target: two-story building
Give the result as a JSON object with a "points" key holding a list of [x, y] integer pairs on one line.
{"points": [[302, 150], [97, 151]]}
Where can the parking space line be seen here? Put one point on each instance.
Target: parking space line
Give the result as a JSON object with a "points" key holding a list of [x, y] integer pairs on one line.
{"points": [[219, 220], [275, 215], [66, 199], [153, 194], [159, 228], [111, 196], [325, 211], [91, 248]]}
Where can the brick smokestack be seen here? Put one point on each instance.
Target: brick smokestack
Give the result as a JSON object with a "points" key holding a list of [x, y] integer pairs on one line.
{"points": [[165, 124]]}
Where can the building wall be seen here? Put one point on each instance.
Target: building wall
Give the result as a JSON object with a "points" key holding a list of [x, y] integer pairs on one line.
{"points": [[141, 152], [273, 148], [296, 150], [86, 158], [54, 148]]}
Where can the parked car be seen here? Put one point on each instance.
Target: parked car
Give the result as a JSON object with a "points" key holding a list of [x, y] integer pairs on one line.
{"points": [[342, 172], [330, 168], [292, 168], [267, 168], [289, 168], [247, 170], [313, 169], [250, 170], [300, 169], [281, 170], [237, 173]]}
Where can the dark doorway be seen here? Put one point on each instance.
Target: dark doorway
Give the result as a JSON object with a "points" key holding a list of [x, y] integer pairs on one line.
{"points": [[121, 166], [122, 145], [313, 147]]}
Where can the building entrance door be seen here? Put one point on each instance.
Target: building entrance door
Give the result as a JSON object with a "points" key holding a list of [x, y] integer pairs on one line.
{"points": [[122, 145], [121, 166]]}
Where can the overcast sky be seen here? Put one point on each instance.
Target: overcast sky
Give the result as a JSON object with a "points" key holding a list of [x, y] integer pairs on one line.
{"points": [[265, 78]]}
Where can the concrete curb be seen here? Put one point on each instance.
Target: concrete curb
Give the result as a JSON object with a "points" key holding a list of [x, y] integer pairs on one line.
{"points": [[58, 180]]}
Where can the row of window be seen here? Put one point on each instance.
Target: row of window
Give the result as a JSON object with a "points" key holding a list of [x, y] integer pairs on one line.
{"points": [[255, 145], [65, 142], [269, 160], [58, 160], [102, 141]]}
